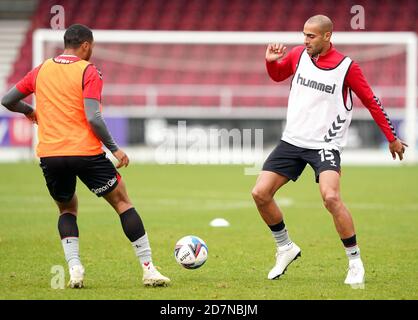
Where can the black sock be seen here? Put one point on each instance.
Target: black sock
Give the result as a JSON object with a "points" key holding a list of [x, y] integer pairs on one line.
{"points": [[349, 242], [277, 227], [67, 225], [132, 224]]}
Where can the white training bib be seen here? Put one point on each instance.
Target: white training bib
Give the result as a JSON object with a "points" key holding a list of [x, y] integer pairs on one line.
{"points": [[317, 115]]}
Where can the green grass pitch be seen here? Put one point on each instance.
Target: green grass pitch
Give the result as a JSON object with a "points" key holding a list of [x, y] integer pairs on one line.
{"points": [[175, 201]]}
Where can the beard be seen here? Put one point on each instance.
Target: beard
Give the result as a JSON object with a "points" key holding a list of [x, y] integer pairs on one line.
{"points": [[315, 52]]}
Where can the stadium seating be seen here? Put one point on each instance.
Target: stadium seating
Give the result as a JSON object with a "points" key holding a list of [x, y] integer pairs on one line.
{"points": [[238, 15]]}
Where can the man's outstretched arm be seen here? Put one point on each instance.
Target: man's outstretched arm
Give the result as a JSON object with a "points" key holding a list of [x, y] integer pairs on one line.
{"points": [[13, 102], [279, 65], [98, 125], [358, 83]]}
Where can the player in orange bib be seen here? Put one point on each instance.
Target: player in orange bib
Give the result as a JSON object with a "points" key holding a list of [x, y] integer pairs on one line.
{"points": [[71, 131]]}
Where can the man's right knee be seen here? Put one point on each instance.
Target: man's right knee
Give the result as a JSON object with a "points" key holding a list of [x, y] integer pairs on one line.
{"points": [[261, 196]]}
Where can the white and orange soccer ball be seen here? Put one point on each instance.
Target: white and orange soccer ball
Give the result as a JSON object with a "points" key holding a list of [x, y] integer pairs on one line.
{"points": [[191, 252]]}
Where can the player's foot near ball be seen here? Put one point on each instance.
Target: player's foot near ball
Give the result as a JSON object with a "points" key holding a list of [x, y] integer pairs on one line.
{"points": [[356, 274], [284, 257], [76, 277], [152, 277]]}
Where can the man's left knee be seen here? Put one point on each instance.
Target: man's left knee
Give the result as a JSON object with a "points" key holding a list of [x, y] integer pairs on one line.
{"points": [[331, 200]]}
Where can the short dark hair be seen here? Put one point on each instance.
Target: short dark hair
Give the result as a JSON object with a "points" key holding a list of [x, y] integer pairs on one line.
{"points": [[76, 34]]}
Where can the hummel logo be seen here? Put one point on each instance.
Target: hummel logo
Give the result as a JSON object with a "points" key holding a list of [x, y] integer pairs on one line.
{"points": [[315, 85], [332, 132]]}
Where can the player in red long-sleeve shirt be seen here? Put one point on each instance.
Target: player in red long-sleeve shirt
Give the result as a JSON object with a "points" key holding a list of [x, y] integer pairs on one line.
{"points": [[318, 116]]}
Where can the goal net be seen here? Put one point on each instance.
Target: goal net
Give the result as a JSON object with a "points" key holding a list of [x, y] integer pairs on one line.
{"points": [[188, 97]]}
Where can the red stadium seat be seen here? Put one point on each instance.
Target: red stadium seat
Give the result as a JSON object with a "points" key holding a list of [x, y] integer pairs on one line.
{"points": [[240, 15]]}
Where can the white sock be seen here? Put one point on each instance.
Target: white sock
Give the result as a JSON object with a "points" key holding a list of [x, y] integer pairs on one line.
{"points": [[142, 249], [352, 252], [71, 251], [282, 238]]}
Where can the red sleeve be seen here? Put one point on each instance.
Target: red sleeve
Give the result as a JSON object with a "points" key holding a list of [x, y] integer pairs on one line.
{"points": [[27, 84], [92, 83], [358, 83], [283, 69]]}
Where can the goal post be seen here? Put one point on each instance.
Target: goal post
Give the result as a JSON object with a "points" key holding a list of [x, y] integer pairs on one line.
{"points": [[405, 42]]}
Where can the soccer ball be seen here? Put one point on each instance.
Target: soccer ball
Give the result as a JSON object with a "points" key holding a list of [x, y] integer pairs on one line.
{"points": [[191, 252]]}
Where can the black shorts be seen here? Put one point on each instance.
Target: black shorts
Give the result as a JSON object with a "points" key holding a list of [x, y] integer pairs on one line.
{"points": [[97, 172], [290, 161]]}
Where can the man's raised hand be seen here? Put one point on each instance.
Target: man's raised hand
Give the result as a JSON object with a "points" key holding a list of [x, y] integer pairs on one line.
{"points": [[275, 52]]}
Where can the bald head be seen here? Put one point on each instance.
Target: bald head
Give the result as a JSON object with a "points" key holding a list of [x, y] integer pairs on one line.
{"points": [[317, 31], [322, 22]]}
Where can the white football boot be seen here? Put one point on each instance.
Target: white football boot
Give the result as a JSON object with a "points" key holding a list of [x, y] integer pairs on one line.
{"points": [[76, 277], [285, 255], [356, 274], [152, 277]]}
